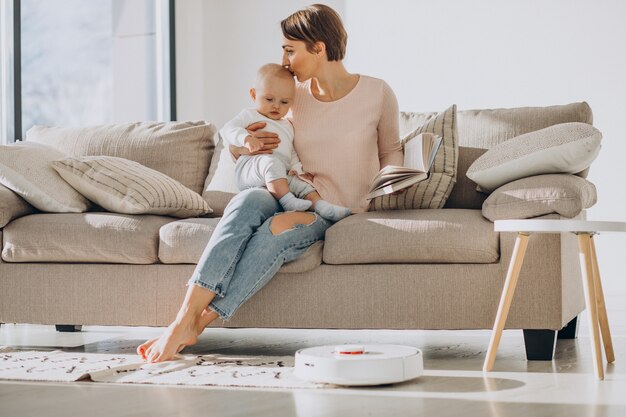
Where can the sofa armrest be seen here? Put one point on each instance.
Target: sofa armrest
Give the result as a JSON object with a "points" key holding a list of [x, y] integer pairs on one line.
{"points": [[549, 288], [12, 206], [564, 194]]}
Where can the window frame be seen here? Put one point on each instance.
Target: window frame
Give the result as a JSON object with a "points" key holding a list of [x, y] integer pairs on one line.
{"points": [[11, 81]]}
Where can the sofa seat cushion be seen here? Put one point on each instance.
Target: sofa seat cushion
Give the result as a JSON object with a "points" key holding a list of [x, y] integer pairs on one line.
{"points": [[412, 236], [83, 237], [183, 241]]}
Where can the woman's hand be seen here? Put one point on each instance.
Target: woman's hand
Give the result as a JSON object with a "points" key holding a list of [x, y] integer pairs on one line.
{"points": [[269, 141]]}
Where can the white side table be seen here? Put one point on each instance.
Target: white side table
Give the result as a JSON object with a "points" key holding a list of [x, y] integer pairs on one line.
{"points": [[594, 296]]}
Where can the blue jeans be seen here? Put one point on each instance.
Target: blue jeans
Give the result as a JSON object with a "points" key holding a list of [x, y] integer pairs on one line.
{"points": [[243, 254]]}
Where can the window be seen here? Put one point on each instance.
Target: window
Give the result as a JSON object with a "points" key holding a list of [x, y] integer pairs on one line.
{"points": [[7, 81], [85, 62]]}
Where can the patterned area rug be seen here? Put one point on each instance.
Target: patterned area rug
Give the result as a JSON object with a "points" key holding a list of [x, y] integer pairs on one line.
{"points": [[202, 370]]}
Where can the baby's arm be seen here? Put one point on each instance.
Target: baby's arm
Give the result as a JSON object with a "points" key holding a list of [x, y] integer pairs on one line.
{"points": [[234, 132]]}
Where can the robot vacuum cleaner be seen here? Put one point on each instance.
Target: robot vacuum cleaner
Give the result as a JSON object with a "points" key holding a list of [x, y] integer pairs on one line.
{"points": [[359, 364]]}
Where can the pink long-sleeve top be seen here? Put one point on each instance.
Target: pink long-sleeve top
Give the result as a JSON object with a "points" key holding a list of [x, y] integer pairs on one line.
{"points": [[344, 143]]}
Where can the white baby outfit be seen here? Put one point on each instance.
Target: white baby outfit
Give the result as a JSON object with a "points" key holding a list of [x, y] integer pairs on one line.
{"points": [[257, 170]]}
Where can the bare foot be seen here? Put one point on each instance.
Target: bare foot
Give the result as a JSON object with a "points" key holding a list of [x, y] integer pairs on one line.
{"points": [[182, 332], [206, 317]]}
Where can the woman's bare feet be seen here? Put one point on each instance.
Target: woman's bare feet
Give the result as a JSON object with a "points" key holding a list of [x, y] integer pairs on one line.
{"points": [[206, 317], [182, 332]]}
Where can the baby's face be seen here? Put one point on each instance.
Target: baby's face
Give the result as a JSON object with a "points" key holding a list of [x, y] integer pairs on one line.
{"points": [[274, 97]]}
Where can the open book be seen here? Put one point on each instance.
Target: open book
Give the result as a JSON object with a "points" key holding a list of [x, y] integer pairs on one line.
{"points": [[419, 155]]}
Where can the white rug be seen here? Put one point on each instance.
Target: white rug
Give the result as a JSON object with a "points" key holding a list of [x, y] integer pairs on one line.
{"points": [[203, 370]]}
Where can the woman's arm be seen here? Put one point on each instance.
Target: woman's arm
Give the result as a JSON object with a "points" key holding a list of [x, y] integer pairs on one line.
{"points": [[270, 141], [389, 146]]}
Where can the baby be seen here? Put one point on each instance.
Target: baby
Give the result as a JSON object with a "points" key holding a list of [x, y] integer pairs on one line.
{"points": [[273, 95]]}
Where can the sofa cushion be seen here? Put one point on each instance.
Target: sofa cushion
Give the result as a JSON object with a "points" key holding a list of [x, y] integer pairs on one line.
{"points": [[12, 206], [464, 194], [535, 196], [434, 191], [485, 128], [181, 150], [412, 236], [25, 168], [564, 148], [183, 241], [124, 186], [84, 237]]}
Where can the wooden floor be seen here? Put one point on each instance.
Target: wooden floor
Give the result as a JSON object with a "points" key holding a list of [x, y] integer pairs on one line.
{"points": [[453, 383]]}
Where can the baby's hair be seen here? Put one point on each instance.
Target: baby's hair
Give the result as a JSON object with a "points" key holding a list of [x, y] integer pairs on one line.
{"points": [[273, 71]]}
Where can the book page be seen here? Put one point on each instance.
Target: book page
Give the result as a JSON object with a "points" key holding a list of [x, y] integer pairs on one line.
{"points": [[414, 152]]}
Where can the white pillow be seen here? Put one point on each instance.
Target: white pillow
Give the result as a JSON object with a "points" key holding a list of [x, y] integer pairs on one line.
{"points": [[124, 186], [564, 148], [25, 168], [220, 186]]}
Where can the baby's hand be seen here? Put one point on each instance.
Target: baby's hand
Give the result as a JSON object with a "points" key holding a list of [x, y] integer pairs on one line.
{"points": [[253, 144], [307, 176]]}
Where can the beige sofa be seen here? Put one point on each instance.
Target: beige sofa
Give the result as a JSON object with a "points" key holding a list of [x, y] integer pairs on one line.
{"points": [[412, 269]]}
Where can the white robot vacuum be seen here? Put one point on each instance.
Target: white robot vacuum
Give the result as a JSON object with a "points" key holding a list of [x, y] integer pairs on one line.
{"points": [[359, 364]]}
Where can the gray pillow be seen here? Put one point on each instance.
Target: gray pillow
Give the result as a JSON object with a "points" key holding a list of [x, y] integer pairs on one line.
{"points": [[564, 194], [124, 186], [564, 148]]}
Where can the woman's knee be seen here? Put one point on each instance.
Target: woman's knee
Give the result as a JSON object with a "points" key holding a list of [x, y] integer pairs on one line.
{"points": [[287, 221], [258, 198]]}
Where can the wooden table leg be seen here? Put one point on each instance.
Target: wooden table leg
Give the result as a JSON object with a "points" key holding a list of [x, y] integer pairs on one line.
{"points": [[505, 299], [586, 267], [603, 318]]}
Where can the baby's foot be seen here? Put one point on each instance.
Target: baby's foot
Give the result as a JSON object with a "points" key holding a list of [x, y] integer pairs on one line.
{"points": [[331, 211], [291, 203]]}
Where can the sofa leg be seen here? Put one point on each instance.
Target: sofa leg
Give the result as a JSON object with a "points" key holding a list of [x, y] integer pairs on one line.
{"points": [[570, 331], [540, 344], [70, 328]]}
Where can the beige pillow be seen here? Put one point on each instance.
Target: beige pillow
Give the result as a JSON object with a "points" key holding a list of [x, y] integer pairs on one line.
{"points": [[25, 169], [12, 206], [123, 186], [433, 192], [564, 194], [220, 187], [564, 148], [180, 150]]}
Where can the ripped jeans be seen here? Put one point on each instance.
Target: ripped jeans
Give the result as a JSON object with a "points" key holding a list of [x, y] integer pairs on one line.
{"points": [[243, 254]]}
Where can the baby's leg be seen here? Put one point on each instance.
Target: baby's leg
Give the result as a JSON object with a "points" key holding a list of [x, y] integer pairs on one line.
{"points": [[322, 207], [280, 190], [327, 210], [268, 171]]}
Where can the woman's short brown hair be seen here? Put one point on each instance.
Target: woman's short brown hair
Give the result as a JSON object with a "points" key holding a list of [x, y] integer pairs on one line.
{"points": [[317, 23]]}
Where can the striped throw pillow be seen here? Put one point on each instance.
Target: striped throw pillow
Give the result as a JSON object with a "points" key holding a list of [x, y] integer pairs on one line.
{"points": [[434, 191], [123, 186]]}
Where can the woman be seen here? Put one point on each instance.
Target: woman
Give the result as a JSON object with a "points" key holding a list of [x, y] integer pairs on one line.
{"points": [[346, 129]]}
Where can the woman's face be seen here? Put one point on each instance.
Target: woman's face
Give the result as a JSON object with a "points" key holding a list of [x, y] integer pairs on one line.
{"points": [[302, 63]]}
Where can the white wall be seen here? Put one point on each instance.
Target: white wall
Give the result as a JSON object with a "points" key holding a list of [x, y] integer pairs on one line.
{"points": [[478, 54], [220, 45]]}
